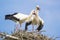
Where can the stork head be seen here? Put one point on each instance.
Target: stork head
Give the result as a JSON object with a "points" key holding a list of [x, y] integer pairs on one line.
{"points": [[34, 13], [37, 7]]}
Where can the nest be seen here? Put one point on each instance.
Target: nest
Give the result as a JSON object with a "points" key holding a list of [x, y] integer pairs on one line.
{"points": [[22, 35]]}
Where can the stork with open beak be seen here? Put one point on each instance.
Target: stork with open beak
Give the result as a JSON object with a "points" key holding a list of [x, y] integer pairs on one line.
{"points": [[35, 20]]}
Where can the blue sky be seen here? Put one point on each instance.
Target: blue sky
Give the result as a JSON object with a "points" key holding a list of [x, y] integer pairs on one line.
{"points": [[50, 13]]}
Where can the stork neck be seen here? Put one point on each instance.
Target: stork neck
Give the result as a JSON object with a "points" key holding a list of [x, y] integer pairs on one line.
{"points": [[36, 11]]}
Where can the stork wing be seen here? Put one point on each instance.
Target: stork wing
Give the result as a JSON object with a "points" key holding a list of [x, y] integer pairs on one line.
{"points": [[21, 16], [41, 20]]}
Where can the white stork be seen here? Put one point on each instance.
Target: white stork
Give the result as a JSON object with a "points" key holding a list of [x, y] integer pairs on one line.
{"points": [[16, 17], [35, 20]]}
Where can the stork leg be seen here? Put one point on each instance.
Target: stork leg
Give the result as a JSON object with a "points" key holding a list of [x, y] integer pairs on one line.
{"points": [[16, 29], [32, 28], [26, 25], [20, 27]]}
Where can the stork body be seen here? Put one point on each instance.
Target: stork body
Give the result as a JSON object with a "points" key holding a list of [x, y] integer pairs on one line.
{"points": [[36, 20], [16, 17]]}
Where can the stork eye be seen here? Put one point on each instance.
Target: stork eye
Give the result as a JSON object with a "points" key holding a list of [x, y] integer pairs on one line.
{"points": [[34, 14], [38, 8]]}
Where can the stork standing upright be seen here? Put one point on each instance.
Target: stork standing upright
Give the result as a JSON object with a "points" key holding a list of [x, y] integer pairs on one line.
{"points": [[19, 18], [35, 20]]}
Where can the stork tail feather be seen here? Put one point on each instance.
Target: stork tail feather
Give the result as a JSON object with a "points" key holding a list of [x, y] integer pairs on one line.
{"points": [[10, 17], [40, 27]]}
